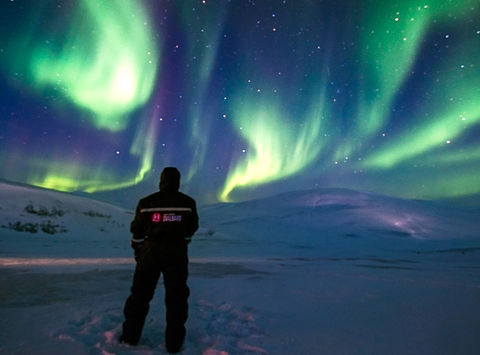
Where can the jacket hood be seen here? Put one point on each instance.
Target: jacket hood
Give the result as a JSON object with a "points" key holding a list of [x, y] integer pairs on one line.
{"points": [[170, 179]]}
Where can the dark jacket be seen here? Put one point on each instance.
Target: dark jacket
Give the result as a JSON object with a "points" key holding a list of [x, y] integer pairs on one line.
{"points": [[166, 216]]}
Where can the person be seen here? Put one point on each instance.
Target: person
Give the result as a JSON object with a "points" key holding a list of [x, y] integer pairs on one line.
{"points": [[163, 226]]}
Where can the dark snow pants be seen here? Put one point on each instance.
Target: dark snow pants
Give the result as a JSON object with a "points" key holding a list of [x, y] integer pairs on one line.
{"points": [[154, 259]]}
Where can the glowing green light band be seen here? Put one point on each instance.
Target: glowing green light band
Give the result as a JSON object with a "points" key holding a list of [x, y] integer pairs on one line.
{"points": [[106, 65]]}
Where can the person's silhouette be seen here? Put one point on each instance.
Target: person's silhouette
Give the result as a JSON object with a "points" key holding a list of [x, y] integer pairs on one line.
{"points": [[164, 224]]}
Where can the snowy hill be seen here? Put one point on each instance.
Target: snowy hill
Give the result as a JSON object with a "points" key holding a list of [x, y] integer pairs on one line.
{"points": [[355, 212], [327, 271], [324, 220], [49, 223], [332, 221]]}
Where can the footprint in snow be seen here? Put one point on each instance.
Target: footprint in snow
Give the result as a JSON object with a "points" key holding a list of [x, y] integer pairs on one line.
{"points": [[213, 329]]}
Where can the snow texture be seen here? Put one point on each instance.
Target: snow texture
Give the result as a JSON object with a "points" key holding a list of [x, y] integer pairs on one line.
{"points": [[326, 271]]}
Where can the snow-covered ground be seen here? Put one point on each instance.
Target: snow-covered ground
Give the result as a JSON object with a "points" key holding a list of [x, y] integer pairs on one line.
{"points": [[311, 272]]}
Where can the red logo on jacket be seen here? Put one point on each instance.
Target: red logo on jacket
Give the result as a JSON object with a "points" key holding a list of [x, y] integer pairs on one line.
{"points": [[156, 217]]}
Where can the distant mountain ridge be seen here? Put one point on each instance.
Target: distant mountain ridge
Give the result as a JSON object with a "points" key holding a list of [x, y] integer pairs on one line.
{"points": [[361, 212], [41, 220], [35, 216]]}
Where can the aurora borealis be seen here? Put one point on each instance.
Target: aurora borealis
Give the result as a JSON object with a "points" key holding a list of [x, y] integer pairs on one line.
{"points": [[247, 98]]}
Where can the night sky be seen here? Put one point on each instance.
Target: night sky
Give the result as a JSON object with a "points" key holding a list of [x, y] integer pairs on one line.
{"points": [[247, 98]]}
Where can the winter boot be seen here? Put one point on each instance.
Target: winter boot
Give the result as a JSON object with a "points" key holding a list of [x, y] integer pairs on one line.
{"points": [[174, 338]]}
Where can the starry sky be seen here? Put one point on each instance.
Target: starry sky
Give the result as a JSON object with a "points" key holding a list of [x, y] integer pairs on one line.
{"points": [[247, 98]]}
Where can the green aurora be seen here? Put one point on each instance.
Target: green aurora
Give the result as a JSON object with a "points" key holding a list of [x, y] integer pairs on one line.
{"points": [[382, 96]]}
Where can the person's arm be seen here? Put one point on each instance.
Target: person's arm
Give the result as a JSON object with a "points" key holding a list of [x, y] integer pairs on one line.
{"points": [[137, 229], [193, 225]]}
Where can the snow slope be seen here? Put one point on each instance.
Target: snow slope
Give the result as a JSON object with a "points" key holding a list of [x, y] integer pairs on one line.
{"points": [[49, 223], [328, 271]]}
